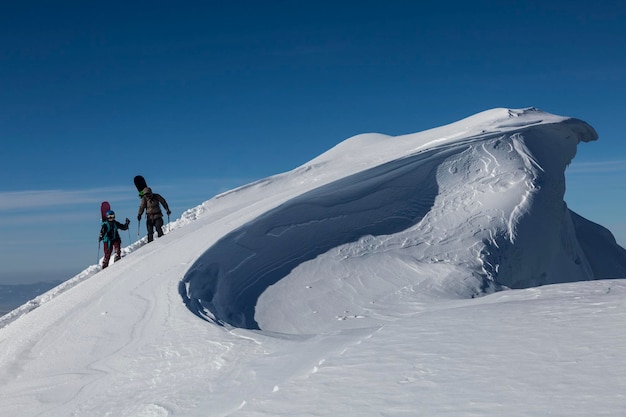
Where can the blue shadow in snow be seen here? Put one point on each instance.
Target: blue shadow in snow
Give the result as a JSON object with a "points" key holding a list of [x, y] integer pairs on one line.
{"points": [[225, 282]]}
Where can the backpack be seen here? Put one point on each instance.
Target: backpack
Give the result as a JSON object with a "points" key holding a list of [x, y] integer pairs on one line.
{"points": [[152, 205], [108, 237]]}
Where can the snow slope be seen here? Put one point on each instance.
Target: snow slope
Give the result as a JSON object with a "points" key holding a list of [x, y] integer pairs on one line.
{"points": [[364, 283]]}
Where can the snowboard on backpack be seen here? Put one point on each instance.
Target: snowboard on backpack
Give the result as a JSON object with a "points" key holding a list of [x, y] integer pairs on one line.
{"points": [[104, 207], [140, 183]]}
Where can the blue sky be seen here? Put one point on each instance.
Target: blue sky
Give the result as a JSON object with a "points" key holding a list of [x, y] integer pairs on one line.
{"points": [[200, 97]]}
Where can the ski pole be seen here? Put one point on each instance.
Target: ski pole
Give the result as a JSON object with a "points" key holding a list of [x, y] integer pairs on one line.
{"points": [[98, 257], [138, 227], [168, 223]]}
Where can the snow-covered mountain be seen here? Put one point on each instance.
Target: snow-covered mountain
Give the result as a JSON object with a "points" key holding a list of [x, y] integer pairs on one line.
{"points": [[390, 276]]}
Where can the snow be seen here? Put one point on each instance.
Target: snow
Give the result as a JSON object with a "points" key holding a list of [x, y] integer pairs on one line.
{"points": [[434, 274]]}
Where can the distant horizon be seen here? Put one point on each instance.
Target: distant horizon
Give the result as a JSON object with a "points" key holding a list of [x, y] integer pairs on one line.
{"points": [[13, 296], [30, 278]]}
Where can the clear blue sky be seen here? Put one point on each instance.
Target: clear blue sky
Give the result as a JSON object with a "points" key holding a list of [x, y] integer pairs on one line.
{"points": [[203, 96]]}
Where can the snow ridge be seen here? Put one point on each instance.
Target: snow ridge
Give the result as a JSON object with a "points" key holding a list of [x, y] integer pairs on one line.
{"points": [[467, 196], [186, 218], [365, 260]]}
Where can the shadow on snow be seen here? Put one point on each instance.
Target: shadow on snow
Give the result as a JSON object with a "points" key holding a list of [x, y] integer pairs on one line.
{"points": [[225, 282]]}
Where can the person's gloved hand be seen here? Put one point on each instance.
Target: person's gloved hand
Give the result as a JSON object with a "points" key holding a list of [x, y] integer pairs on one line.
{"points": [[169, 212], [139, 218], [127, 221]]}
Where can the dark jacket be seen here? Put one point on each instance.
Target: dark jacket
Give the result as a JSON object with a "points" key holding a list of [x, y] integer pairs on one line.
{"points": [[150, 203], [109, 231]]}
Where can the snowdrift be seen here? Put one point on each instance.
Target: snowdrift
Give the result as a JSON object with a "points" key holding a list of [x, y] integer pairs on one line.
{"points": [[458, 208], [362, 268]]}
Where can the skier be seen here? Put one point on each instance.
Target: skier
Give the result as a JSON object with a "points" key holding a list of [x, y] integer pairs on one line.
{"points": [[154, 217], [111, 237]]}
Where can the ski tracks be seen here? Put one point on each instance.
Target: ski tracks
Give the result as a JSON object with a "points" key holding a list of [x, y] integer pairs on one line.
{"points": [[283, 364]]}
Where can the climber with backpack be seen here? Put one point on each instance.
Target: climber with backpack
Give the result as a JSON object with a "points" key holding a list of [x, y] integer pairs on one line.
{"points": [[110, 236], [154, 217]]}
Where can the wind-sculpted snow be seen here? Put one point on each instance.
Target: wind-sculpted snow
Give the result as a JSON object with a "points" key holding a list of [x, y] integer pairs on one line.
{"points": [[230, 276], [608, 259], [474, 201]]}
